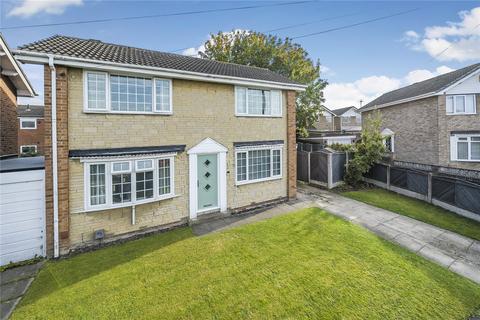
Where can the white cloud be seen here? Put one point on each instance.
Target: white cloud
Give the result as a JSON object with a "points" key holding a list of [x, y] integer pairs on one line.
{"points": [[339, 95], [193, 51], [29, 8], [459, 41]]}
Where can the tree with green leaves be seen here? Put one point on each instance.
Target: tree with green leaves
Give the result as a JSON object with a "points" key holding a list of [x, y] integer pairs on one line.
{"points": [[368, 150], [278, 55]]}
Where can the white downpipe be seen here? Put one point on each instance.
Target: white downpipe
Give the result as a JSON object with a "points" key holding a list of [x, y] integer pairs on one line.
{"points": [[54, 156], [134, 215]]}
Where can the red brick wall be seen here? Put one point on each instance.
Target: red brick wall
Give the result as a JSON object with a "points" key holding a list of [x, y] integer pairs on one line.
{"points": [[291, 145], [62, 154], [32, 136], [8, 118]]}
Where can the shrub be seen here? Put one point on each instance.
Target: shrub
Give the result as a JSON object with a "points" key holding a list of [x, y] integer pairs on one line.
{"points": [[368, 150]]}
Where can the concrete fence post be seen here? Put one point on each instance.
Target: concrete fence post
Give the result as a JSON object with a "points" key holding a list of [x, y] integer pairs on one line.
{"points": [[429, 187], [388, 177], [330, 170], [308, 167]]}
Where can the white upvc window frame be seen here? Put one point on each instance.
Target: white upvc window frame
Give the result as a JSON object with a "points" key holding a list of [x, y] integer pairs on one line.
{"points": [[454, 96], [247, 114], [28, 119], [34, 146], [454, 146], [132, 170], [108, 108], [246, 149]]}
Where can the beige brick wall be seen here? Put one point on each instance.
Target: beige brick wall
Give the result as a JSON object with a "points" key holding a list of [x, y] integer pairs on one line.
{"points": [[415, 127], [450, 123], [200, 110]]}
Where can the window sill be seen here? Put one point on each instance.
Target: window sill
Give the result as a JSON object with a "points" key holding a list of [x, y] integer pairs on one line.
{"points": [[257, 116], [461, 114], [128, 112], [241, 183], [129, 204], [473, 161]]}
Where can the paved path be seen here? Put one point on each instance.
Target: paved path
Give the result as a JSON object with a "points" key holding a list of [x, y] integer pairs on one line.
{"points": [[13, 285], [450, 250]]}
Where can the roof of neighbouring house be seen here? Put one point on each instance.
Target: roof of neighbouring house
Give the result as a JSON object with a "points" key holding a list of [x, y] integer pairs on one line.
{"points": [[33, 111], [422, 88], [113, 53], [339, 112], [11, 69]]}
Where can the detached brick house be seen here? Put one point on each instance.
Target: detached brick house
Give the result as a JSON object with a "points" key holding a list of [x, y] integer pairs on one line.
{"points": [[337, 126], [13, 84], [30, 129], [436, 121], [147, 140]]}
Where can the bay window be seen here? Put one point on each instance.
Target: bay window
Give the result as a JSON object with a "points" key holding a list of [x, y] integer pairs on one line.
{"points": [[120, 183], [104, 92], [465, 147], [258, 164], [258, 102], [461, 104]]}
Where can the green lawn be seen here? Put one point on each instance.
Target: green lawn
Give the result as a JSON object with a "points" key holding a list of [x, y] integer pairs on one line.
{"points": [[417, 209], [307, 264]]}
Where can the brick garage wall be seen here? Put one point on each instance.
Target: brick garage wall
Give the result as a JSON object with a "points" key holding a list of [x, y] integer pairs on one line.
{"points": [[8, 118], [449, 123], [322, 123], [62, 154], [200, 110], [33, 137], [416, 129]]}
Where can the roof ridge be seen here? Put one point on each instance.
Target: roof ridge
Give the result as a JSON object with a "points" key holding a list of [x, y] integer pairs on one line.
{"points": [[151, 50]]}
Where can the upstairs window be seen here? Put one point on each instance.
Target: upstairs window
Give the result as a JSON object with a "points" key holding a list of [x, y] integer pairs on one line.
{"points": [[111, 93], [461, 104], [465, 147], [28, 123], [258, 102]]}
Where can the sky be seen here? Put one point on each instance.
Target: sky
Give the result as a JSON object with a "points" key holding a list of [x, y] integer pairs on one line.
{"points": [[360, 62]]}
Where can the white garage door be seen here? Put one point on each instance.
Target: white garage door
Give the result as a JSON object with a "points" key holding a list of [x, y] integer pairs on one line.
{"points": [[22, 215]]}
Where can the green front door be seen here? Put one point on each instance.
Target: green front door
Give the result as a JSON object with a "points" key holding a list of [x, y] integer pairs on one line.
{"points": [[207, 182]]}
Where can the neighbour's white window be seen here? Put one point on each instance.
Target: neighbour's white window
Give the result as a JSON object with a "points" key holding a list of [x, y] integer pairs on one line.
{"points": [[28, 149], [28, 123], [120, 183], [258, 164], [126, 94], [461, 104], [465, 147], [258, 102]]}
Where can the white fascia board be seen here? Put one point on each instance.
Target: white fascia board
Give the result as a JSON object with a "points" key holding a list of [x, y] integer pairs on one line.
{"points": [[27, 91], [444, 91], [42, 58], [426, 95]]}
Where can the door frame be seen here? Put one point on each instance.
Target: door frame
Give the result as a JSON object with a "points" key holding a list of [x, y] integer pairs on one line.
{"points": [[207, 146]]}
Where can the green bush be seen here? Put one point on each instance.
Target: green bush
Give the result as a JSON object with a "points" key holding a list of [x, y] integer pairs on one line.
{"points": [[368, 150]]}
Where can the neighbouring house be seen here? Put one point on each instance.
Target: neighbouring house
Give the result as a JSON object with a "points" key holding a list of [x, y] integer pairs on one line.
{"points": [[436, 121], [334, 126], [30, 129], [147, 140], [13, 84]]}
